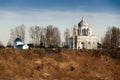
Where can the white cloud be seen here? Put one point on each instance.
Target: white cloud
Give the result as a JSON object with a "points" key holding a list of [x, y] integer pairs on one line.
{"points": [[8, 14]]}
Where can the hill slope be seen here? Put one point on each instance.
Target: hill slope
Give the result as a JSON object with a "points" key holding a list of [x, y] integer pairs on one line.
{"points": [[39, 64]]}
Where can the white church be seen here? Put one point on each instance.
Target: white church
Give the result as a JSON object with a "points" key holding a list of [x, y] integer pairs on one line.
{"points": [[83, 37]]}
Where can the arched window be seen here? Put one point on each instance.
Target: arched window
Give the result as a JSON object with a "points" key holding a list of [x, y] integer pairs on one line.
{"points": [[83, 45], [93, 44], [84, 32], [88, 31], [89, 43]]}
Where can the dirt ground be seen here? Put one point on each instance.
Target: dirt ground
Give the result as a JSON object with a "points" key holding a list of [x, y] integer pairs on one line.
{"points": [[41, 64]]}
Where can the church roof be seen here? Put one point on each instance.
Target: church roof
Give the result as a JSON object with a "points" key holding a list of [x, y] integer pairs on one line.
{"points": [[82, 23]]}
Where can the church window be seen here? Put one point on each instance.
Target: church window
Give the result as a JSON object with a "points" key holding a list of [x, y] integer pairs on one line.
{"points": [[87, 31], [82, 42], [93, 43], [84, 32], [88, 42], [83, 45]]}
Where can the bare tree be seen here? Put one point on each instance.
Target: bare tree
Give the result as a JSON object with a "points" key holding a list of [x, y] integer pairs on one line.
{"points": [[66, 35], [9, 44], [49, 35], [18, 32], [106, 41], [115, 37], [37, 35], [43, 37], [12, 36], [52, 36], [1, 45], [112, 38], [56, 36], [31, 33]]}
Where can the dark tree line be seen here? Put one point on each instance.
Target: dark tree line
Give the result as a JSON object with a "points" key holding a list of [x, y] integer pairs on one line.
{"points": [[112, 38]]}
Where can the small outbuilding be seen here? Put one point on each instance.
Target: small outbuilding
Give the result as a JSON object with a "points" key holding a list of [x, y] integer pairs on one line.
{"points": [[18, 44]]}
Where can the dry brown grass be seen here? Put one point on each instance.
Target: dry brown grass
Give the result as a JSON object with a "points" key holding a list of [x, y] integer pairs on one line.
{"points": [[39, 64]]}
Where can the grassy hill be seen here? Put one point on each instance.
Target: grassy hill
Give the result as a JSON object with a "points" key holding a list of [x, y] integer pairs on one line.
{"points": [[39, 64]]}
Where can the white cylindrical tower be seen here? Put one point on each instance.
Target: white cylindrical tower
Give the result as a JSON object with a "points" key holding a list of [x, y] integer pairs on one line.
{"points": [[82, 27], [89, 31], [75, 31]]}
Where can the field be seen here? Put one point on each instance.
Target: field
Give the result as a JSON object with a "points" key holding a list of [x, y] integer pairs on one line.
{"points": [[41, 64]]}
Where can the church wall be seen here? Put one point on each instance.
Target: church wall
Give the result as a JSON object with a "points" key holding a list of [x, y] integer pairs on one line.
{"points": [[83, 37], [86, 42]]}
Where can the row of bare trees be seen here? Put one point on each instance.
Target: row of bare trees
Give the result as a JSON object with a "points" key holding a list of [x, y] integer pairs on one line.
{"points": [[18, 32], [51, 36], [39, 36], [45, 36], [112, 38], [36, 34], [67, 36]]}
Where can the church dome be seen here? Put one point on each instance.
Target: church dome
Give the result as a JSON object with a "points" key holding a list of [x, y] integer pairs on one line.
{"points": [[82, 23]]}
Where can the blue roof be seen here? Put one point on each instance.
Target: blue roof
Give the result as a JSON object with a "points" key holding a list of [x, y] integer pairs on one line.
{"points": [[18, 40]]}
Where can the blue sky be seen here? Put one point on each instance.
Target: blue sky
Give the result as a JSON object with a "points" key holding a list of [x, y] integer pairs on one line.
{"points": [[61, 13], [85, 5]]}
